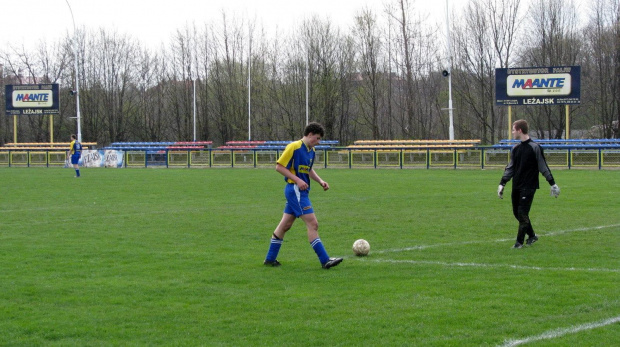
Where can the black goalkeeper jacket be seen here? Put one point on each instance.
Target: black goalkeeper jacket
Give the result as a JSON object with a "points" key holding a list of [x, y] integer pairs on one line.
{"points": [[526, 161]]}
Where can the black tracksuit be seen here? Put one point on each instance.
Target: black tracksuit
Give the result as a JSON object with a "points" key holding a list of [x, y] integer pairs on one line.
{"points": [[526, 161]]}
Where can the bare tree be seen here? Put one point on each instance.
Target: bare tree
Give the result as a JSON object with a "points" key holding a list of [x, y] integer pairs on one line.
{"points": [[202, 61], [370, 92], [180, 74], [288, 60], [229, 78], [415, 58], [602, 42], [344, 129], [262, 105], [322, 39], [483, 41], [553, 41], [150, 123], [108, 97], [404, 61]]}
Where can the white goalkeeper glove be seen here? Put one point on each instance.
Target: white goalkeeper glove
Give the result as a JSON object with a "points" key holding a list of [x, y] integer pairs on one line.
{"points": [[555, 190], [500, 191]]}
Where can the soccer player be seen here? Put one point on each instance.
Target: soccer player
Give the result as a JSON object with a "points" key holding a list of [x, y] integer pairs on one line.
{"points": [[76, 152], [526, 160], [295, 164]]}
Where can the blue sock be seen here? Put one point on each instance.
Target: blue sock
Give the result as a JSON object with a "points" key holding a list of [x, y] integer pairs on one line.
{"points": [[317, 245], [274, 248], [77, 172]]}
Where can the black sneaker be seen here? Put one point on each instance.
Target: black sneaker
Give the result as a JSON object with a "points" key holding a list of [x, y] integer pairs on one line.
{"points": [[272, 263], [517, 245], [531, 240], [332, 262]]}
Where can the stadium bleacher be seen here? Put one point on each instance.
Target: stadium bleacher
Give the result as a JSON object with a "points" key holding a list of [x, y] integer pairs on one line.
{"points": [[270, 145], [43, 146], [565, 144], [159, 146], [412, 144]]}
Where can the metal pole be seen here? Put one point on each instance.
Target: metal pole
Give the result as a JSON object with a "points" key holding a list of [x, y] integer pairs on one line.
{"points": [[509, 123], [77, 84], [449, 76], [194, 109], [567, 122], [249, 88], [450, 107], [307, 87]]}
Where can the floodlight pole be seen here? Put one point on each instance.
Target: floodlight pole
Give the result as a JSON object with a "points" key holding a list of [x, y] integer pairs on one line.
{"points": [[193, 75], [250, 85], [194, 109], [77, 83], [307, 85], [450, 109]]}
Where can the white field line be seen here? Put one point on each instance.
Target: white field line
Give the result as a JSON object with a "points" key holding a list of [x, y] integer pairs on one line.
{"points": [[483, 265], [555, 333], [552, 233], [600, 227]]}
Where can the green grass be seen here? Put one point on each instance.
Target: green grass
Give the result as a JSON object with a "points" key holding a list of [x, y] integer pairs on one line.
{"points": [[174, 257]]}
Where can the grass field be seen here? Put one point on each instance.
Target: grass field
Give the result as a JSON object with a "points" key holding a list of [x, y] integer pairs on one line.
{"points": [[174, 257]]}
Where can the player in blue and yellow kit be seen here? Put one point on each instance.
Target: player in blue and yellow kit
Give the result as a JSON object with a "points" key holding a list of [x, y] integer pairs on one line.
{"points": [[295, 164], [76, 152]]}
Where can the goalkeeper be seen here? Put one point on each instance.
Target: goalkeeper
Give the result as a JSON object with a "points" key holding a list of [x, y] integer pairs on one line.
{"points": [[526, 160], [295, 164]]}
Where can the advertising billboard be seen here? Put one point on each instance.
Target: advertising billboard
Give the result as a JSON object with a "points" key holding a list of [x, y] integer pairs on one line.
{"points": [[555, 85], [32, 99]]}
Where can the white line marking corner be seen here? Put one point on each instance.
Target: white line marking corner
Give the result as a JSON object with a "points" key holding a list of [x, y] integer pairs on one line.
{"points": [[555, 333]]}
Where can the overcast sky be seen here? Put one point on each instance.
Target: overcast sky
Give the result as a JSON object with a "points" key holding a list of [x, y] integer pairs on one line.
{"points": [[153, 22]]}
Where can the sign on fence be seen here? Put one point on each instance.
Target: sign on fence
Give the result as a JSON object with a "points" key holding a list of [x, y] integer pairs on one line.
{"points": [[99, 158]]}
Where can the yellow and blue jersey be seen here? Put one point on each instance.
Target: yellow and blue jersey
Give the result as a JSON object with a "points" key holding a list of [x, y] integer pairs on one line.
{"points": [[76, 148], [298, 159]]}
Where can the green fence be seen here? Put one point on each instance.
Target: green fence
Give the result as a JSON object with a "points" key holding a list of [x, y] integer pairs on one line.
{"points": [[455, 158], [431, 158], [32, 158]]}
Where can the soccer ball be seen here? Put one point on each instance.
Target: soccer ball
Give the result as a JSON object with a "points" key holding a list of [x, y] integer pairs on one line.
{"points": [[361, 247]]}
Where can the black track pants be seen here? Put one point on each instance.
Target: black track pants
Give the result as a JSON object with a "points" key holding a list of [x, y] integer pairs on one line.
{"points": [[521, 204]]}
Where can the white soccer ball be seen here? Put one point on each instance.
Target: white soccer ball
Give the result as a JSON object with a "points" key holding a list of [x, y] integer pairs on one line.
{"points": [[361, 247]]}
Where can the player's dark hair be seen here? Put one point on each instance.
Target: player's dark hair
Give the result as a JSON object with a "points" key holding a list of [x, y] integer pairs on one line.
{"points": [[521, 124], [314, 128], [73, 136]]}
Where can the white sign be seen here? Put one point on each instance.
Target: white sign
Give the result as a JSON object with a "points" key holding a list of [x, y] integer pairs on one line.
{"points": [[539, 85], [32, 98], [99, 158]]}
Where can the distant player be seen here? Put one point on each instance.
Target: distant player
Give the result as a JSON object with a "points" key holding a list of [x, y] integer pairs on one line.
{"points": [[526, 160], [76, 152], [295, 164]]}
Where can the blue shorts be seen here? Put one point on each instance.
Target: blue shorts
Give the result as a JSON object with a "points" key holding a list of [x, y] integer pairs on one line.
{"points": [[297, 201], [75, 158]]}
